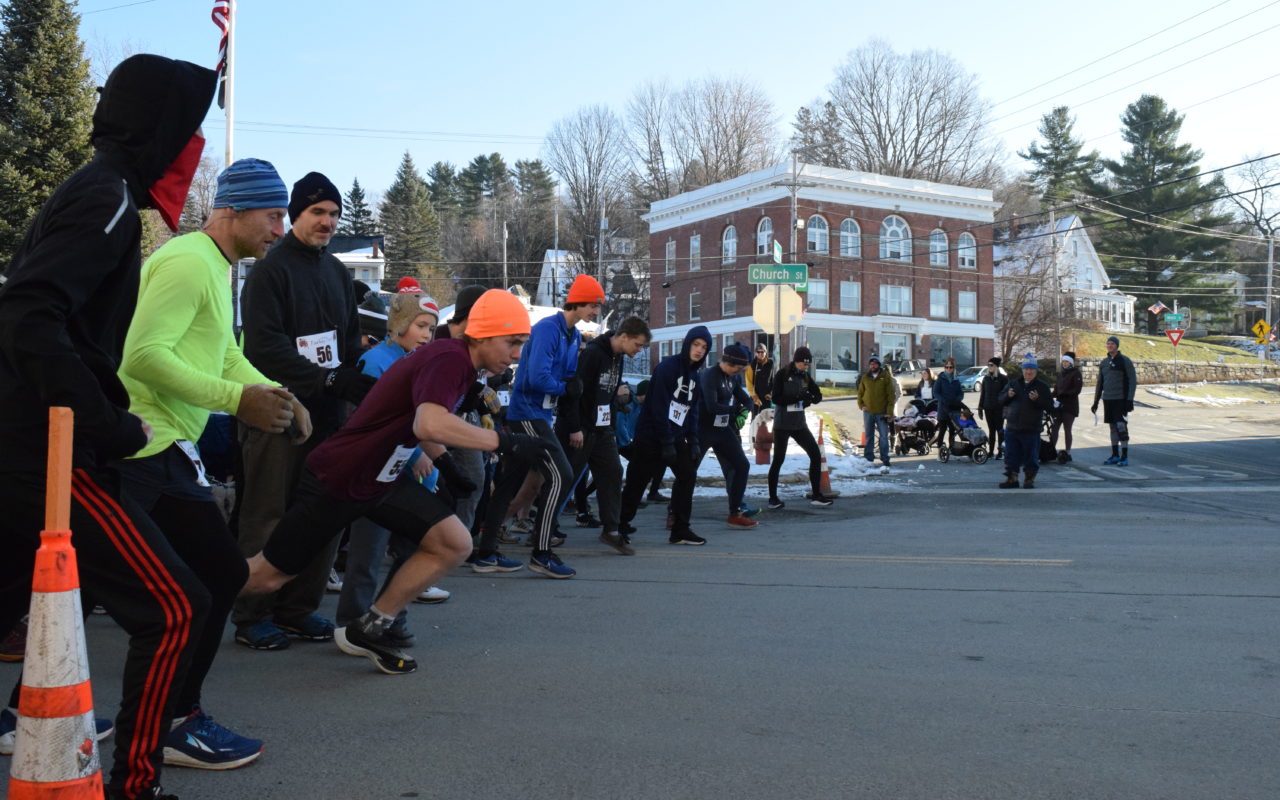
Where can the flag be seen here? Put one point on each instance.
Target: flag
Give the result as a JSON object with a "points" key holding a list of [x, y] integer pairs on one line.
{"points": [[221, 12], [1157, 307]]}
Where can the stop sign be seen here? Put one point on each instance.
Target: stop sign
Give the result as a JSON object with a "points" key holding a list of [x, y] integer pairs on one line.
{"points": [[764, 310]]}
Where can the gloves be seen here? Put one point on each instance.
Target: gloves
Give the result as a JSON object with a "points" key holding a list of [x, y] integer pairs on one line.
{"points": [[1128, 406], [741, 419], [348, 383], [492, 405], [980, 413], [459, 485], [521, 446], [669, 453], [1094, 409]]}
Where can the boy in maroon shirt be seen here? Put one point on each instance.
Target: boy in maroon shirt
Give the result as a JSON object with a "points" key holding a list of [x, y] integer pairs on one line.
{"points": [[356, 472]]}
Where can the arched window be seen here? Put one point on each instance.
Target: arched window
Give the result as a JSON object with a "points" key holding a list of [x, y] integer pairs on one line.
{"points": [[764, 236], [819, 235], [729, 245], [938, 249], [967, 251], [895, 239], [850, 239]]}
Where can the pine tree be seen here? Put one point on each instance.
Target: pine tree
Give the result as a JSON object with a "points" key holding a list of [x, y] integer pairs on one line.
{"points": [[442, 181], [357, 217], [1060, 170], [1169, 230], [46, 109], [411, 226]]}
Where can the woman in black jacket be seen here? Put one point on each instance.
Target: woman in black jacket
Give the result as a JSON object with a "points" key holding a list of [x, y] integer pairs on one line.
{"points": [[793, 391], [992, 387], [1066, 402]]}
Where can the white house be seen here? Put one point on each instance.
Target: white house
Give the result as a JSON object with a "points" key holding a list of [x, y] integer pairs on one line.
{"points": [[366, 264]]}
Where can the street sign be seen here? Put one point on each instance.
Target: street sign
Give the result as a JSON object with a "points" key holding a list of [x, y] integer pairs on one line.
{"points": [[1175, 320], [1175, 336], [1261, 329], [777, 252], [771, 300], [777, 273]]}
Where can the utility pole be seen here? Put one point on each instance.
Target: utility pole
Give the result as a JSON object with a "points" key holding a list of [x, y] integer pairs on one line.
{"points": [[505, 283], [604, 229], [555, 248], [1057, 281], [793, 186], [1271, 271]]}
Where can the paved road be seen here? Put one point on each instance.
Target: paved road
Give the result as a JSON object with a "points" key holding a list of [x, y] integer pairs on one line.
{"points": [[1109, 635]]}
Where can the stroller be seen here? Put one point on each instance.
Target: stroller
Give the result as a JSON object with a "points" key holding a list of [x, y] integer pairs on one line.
{"points": [[914, 432], [971, 442]]}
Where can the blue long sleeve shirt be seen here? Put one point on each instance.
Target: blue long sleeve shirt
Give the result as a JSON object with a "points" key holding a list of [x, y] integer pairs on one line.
{"points": [[547, 360]]}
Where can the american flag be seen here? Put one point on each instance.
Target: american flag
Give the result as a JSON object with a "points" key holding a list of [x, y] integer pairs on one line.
{"points": [[1157, 307], [221, 12]]}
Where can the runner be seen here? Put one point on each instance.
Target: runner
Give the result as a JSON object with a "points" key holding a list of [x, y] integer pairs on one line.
{"points": [[794, 390], [722, 411]]}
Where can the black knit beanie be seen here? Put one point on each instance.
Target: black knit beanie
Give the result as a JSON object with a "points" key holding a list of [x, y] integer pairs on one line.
{"points": [[312, 188]]}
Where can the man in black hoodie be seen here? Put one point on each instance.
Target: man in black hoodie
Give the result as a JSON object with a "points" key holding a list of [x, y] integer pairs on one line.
{"points": [[63, 317]]}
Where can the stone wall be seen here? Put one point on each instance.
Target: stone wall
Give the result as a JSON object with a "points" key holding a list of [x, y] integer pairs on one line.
{"points": [[1188, 371]]}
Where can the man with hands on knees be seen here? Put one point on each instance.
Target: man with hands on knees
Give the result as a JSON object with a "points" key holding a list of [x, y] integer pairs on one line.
{"points": [[354, 473]]}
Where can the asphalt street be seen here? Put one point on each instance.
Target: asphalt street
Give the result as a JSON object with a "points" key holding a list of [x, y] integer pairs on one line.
{"points": [[1114, 633]]}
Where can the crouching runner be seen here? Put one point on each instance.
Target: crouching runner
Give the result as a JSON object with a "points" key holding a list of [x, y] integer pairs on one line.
{"points": [[354, 473]]}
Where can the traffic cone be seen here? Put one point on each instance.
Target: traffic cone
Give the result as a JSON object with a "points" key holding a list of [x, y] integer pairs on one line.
{"points": [[56, 751], [824, 483]]}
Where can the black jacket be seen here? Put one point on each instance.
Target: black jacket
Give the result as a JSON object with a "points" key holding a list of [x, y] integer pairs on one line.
{"points": [[1067, 391], [791, 386], [599, 373], [73, 282], [294, 291], [993, 389], [719, 393], [1021, 413]]}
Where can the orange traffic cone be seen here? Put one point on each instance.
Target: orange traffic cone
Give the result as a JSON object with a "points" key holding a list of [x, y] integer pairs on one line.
{"points": [[824, 484], [56, 751]]}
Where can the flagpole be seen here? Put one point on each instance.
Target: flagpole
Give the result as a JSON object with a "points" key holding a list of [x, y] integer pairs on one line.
{"points": [[229, 81]]}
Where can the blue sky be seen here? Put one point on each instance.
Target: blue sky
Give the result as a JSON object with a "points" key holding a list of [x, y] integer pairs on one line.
{"points": [[448, 81]]}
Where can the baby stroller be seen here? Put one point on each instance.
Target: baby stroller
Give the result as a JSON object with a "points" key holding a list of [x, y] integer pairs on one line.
{"points": [[971, 442], [915, 431]]}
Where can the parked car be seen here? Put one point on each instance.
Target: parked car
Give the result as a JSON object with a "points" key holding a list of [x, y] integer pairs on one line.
{"points": [[907, 373], [969, 378]]}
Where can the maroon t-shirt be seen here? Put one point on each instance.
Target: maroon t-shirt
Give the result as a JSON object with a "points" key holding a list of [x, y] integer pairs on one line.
{"points": [[359, 462]]}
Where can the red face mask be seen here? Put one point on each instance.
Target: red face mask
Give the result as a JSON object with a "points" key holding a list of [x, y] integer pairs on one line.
{"points": [[170, 192]]}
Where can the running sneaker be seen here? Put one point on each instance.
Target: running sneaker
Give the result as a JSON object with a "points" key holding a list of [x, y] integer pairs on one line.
{"points": [[9, 730], [820, 501], [334, 584], [618, 542], [1123, 462], [775, 504], [355, 641], [626, 528], [741, 520], [496, 562], [433, 595], [14, 646], [522, 526], [658, 497], [688, 537], [588, 520], [557, 539], [398, 634], [265, 635], [748, 511], [312, 627], [549, 564], [201, 743], [1113, 461]]}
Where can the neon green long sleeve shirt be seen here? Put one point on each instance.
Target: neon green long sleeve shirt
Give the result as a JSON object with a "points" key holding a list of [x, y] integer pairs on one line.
{"points": [[180, 358]]}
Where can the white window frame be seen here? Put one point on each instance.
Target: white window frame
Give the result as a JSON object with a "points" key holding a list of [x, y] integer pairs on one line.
{"points": [[967, 252], [895, 239], [850, 239], [764, 236], [729, 245], [815, 304], [967, 305], [938, 303], [818, 238], [895, 300], [854, 304], [670, 257], [695, 252], [728, 301], [669, 317], [938, 248], [695, 308]]}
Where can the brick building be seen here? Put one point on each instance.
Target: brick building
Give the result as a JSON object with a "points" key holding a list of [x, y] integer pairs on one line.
{"points": [[899, 267]]}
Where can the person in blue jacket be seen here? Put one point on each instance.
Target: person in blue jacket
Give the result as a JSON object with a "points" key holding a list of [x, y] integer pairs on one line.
{"points": [[722, 408], [548, 364], [667, 436], [950, 395]]}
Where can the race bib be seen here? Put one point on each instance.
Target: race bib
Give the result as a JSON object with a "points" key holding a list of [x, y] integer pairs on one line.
{"points": [[189, 450], [504, 398], [603, 415], [548, 401], [722, 420], [320, 349], [677, 412], [796, 406], [395, 465]]}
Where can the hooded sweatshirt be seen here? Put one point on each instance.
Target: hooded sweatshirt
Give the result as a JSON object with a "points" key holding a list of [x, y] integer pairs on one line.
{"points": [[673, 394], [599, 371], [73, 281]]}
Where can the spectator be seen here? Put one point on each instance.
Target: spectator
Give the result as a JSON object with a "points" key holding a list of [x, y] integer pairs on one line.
{"points": [[759, 380], [875, 398], [994, 382], [1066, 403], [1117, 386], [950, 396], [1025, 401]]}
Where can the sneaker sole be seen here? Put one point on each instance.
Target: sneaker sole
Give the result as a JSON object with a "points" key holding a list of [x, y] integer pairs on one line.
{"points": [[621, 548], [177, 758], [340, 638], [740, 526], [541, 570], [274, 644], [686, 541], [306, 637], [495, 568], [431, 601]]}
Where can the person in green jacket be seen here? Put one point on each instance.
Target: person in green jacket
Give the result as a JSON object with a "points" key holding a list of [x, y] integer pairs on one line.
{"points": [[180, 362], [875, 398]]}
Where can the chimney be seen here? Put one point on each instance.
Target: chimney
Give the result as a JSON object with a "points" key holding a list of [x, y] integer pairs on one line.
{"points": [[375, 248]]}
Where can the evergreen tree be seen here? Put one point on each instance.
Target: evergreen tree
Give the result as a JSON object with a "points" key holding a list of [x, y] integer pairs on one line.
{"points": [[357, 217], [533, 182], [1169, 228], [487, 177], [411, 226], [442, 181], [46, 109], [1060, 170]]}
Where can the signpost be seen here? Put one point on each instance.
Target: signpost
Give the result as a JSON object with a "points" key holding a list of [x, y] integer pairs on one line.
{"points": [[1261, 329], [1175, 320], [1175, 336], [778, 280]]}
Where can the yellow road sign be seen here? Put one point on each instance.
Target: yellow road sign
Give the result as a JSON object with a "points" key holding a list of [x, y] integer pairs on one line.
{"points": [[1261, 328]]}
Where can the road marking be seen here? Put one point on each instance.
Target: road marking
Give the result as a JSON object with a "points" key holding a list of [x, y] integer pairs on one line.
{"points": [[1180, 488], [873, 559]]}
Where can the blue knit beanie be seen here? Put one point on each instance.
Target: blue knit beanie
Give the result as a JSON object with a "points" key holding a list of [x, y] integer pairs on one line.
{"points": [[736, 354], [1029, 362], [250, 183]]}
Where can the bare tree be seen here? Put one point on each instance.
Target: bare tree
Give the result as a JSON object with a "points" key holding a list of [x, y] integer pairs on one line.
{"points": [[204, 186], [1027, 315], [588, 150], [1259, 208], [911, 116]]}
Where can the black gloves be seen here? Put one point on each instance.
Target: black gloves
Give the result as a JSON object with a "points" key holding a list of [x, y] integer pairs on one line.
{"points": [[521, 446], [459, 485], [1094, 408], [348, 383], [472, 401], [669, 453], [1128, 406]]}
